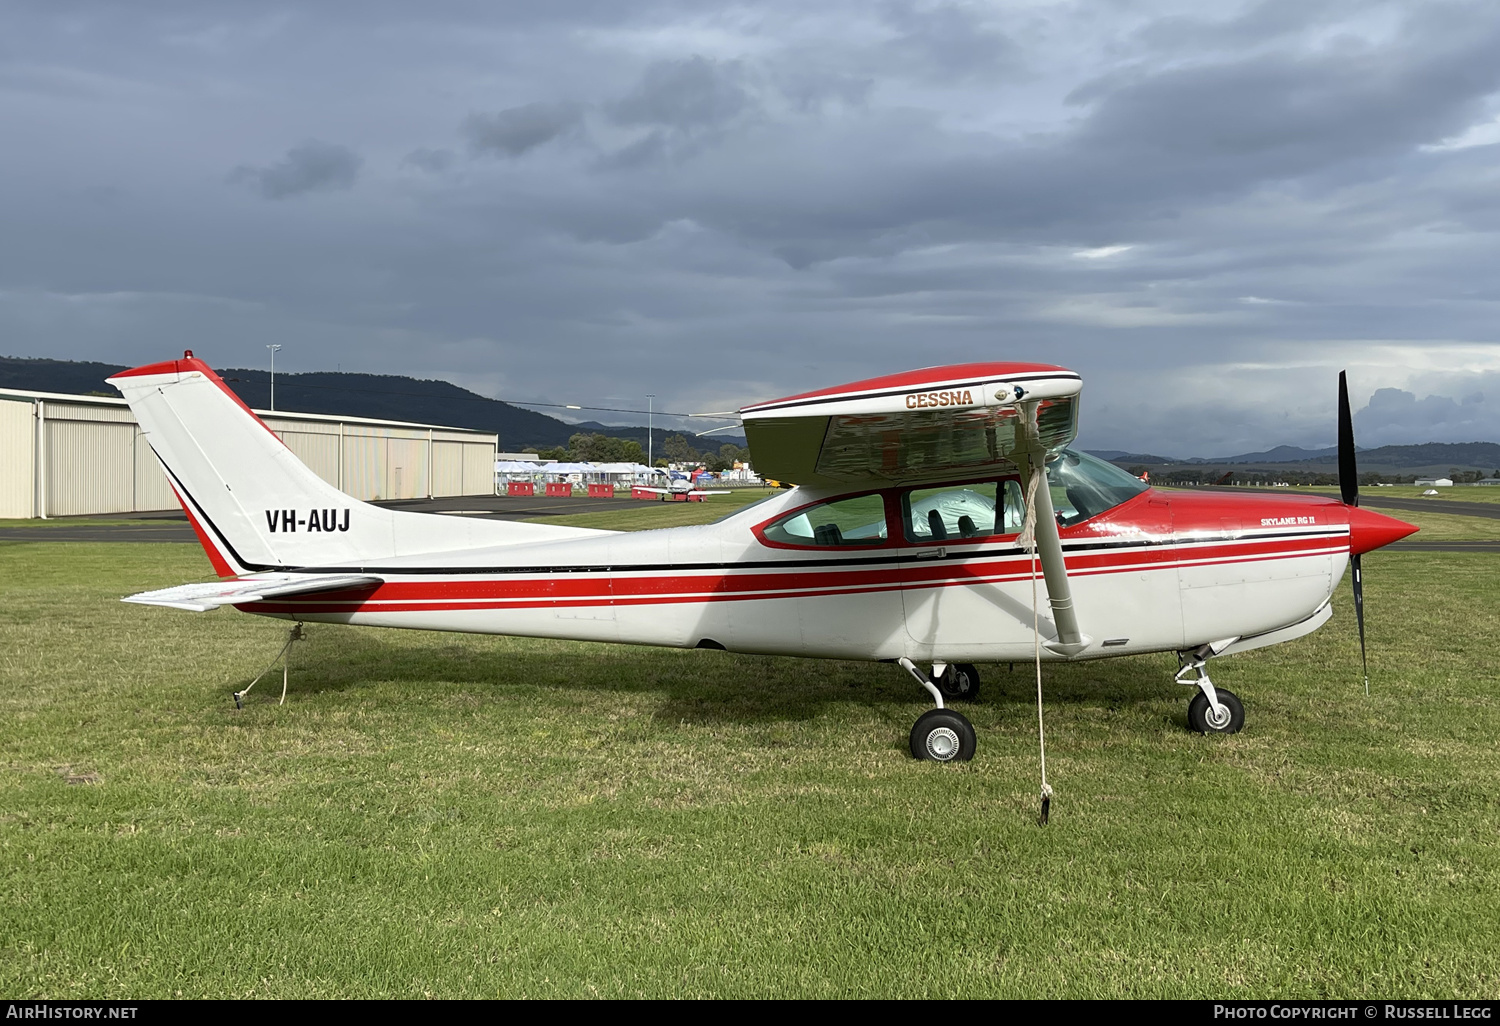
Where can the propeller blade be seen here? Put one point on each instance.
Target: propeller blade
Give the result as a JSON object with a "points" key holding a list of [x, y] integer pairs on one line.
{"points": [[1348, 472], [1349, 493], [1359, 615]]}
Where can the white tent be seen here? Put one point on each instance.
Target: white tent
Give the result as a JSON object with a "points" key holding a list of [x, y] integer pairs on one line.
{"points": [[612, 473]]}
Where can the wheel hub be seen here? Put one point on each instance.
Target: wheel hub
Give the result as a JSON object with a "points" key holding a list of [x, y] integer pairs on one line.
{"points": [[942, 744], [1217, 718]]}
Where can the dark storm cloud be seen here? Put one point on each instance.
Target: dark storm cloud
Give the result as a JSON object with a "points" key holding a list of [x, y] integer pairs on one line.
{"points": [[1207, 209], [1394, 416], [514, 131], [1272, 116], [429, 160], [685, 95], [313, 166], [946, 41]]}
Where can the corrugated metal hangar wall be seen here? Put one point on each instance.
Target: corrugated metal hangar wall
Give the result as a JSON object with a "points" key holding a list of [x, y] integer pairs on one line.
{"points": [[90, 456]]}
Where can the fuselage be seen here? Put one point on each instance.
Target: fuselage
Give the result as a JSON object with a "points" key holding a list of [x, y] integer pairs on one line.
{"points": [[1156, 572]]}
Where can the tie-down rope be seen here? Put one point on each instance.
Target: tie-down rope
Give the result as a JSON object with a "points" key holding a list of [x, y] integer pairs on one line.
{"points": [[1027, 540], [295, 634]]}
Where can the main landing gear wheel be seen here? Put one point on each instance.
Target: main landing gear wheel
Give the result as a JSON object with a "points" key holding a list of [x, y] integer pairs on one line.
{"points": [[1231, 717], [960, 681], [942, 735]]}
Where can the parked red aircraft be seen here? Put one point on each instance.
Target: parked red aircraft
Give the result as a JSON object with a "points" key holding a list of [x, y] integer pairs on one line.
{"points": [[926, 506]]}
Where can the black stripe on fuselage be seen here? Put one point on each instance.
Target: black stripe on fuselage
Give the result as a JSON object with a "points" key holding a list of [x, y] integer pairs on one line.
{"points": [[910, 558], [799, 564]]}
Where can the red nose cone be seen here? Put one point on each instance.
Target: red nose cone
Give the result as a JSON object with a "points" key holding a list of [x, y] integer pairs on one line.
{"points": [[1369, 531]]}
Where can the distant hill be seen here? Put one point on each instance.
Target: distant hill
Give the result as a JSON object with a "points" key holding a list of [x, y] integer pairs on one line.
{"points": [[1437, 456], [1122, 457], [381, 396], [1284, 454], [1320, 466]]}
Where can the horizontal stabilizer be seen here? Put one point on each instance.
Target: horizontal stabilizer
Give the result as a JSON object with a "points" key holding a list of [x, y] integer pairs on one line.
{"points": [[200, 598]]}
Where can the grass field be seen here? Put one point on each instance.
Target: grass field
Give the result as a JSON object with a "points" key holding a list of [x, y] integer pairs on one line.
{"points": [[463, 816], [1456, 493], [1438, 526], [641, 515]]}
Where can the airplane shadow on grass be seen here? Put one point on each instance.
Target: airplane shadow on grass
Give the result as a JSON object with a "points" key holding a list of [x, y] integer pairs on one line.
{"points": [[695, 685]]}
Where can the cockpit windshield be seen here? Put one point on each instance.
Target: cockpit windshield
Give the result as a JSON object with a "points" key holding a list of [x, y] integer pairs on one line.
{"points": [[1084, 486]]}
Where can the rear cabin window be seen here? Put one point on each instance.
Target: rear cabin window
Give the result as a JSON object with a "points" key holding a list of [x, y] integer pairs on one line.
{"points": [[962, 512], [859, 520]]}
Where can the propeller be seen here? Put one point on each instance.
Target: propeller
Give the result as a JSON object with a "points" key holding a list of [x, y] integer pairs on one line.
{"points": [[1349, 494]]}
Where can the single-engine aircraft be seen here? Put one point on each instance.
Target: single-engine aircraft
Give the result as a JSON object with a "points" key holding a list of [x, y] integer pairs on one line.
{"points": [[681, 488], [924, 505]]}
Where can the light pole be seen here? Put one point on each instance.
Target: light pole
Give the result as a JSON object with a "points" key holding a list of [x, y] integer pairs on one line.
{"points": [[650, 419], [273, 376]]}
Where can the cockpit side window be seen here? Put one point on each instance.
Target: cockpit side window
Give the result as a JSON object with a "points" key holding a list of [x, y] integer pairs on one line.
{"points": [[959, 513], [857, 520]]}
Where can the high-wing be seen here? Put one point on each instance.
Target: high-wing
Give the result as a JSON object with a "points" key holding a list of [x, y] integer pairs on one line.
{"points": [[915, 426]]}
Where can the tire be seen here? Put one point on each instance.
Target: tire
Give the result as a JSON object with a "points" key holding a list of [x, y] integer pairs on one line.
{"points": [[1200, 714], [942, 735], [959, 682]]}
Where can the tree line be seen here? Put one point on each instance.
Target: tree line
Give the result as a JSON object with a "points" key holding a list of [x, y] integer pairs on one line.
{"points": [[1210, 476]]}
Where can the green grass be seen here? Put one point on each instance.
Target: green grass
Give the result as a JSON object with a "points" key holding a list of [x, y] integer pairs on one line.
{"points": [[1457, 493], [448, 815], [1437, 526], [1434, 524], [642, 515]]}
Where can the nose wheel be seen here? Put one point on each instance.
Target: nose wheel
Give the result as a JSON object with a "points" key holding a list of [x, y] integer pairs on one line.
{"points": [[1229, 718], [1212, 710]]}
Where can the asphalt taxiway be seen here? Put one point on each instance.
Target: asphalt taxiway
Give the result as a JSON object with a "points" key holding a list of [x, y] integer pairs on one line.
{"points": [[172, 526]]}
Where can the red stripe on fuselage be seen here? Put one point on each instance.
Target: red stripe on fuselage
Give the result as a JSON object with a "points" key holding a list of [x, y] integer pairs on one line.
{"points": [[556, 591]]}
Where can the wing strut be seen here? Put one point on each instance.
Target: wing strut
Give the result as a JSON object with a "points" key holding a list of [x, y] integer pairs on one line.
{"points": [[1070, 640]]}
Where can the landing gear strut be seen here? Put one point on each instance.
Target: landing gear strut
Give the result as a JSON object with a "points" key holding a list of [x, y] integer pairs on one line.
{"points": [[941, 735], [959, 681], [1212, 710]]}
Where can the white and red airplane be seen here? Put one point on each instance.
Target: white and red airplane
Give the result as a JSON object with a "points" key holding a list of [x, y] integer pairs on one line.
{"points": [[902, 541], [681, 488]]}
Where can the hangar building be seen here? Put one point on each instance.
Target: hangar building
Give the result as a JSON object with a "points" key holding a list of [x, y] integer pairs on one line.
{"points": [[65, 455]]}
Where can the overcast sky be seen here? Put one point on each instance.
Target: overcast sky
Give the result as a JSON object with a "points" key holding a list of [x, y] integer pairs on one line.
{"points": [[1207, 209]]}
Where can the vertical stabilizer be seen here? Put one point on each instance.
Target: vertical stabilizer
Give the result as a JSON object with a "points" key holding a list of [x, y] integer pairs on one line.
{"points": [[253, 501], [256, 506]]}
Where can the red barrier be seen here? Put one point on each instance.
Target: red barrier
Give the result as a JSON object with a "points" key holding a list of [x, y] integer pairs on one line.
{"points": [[559, 489], [520, 488], [601, 491], [638, 492]]}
